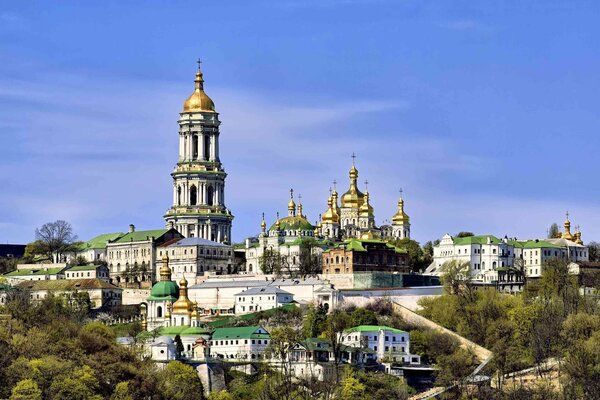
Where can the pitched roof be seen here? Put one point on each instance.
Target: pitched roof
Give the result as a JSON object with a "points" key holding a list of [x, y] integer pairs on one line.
{"points": [[480, 239], [243, 332], [263, 290], [99, 242], [538, 244], [373, 328], [140, 236], [67, 284], [89, 267], [196, 241], [183, 331], [37, 272]]}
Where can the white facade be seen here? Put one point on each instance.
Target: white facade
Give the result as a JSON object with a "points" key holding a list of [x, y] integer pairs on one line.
{"points": [[243, 343], [218, 295], [260, 299], [486, 253], [389, 344], [88, 272], [194, 257]]}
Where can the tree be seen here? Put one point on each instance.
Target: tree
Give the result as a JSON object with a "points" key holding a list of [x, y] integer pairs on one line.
{"points": [[455, 368], [416, 258], [271, 262], [283, 339], [180, 382], [554, 231], [455, 275], [314, 321], [593, 251], [464, 234], [309, 263], [352, 388], [57, 239], [122, 392], [178, 346], [26, 389], [337, 321]]}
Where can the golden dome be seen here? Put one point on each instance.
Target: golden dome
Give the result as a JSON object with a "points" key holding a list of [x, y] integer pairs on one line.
{"points": [[165, 271], [400, 217], [330, 215], [366, 210], [353, 198], [183, 305], [195, 310], [263, 224], [198, 101], [567, 234]]}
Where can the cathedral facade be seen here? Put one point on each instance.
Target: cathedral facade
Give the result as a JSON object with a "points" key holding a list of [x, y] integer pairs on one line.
{"points": [[198, 208]]}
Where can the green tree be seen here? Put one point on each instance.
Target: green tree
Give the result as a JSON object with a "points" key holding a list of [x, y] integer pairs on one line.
{"points": [[593, 251], [464, 234], [336, 322], [309, 262], [122, 392], [26, 389], [352, 388], [178, 346], [271, 262], [222, 395], [314, 321], [456, 276], [362, 316], [180, 382]]}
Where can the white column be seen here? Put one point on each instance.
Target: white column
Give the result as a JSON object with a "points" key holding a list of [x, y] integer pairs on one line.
{"points": [[191, 146], [219, 233], [181, 148], [201, 145], [212, 147], [204, 198], [174, 193]]}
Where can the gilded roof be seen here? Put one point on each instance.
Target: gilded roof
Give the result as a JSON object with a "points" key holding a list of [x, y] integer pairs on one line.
{"points": [[199, 100]]}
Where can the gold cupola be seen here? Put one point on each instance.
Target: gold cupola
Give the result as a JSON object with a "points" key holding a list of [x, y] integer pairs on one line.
{"points": [[353, 198], [165, 271], [263, 224], [277, 222], [578, 236], [199, 100], [334, 199], [400, 217], [291, 205], [567, 234], [330, 216], [183, 305], [366, 210]]}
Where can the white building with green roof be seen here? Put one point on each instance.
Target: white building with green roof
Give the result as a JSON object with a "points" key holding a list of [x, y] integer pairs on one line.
{"points": [[89, 271], [390, 344], [36, 272], [239, 343], [95, 248], [487, 254], [132, 257]]}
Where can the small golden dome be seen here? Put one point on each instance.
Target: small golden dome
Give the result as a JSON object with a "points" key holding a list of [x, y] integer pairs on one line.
{"points": [[165, 271], [195, 310], [366, 210], [330, 215], [183, 305], [263, 224], [400, 217], [353, 198], [199, 100]]}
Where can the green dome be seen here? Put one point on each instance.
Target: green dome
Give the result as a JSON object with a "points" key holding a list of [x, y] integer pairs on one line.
{"points": [[296, 223], [164, 289]]}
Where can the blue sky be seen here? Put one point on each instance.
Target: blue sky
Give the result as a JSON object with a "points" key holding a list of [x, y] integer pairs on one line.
{"points": [[485, 113]]}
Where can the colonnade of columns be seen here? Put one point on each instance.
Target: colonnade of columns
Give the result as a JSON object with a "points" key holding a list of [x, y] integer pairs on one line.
{"points": [[182, 193], [199, 146], [214, 232]]}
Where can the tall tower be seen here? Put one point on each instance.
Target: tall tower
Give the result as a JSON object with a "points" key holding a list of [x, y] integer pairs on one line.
{"points": [[199, 178]]}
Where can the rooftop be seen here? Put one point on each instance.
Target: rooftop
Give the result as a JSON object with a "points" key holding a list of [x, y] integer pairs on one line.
{"points": [[67, 284], [99, 242], [263, 290], [374, 328], [89, 267], [37, 272], [196, 241], [140, 236], [244, 332]]}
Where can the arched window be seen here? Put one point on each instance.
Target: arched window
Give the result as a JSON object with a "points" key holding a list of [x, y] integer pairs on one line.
{"points": [[210, 195], [195, 146], [193, 195], [206, 146], [178, 195], [337, 259], [159, 312]]}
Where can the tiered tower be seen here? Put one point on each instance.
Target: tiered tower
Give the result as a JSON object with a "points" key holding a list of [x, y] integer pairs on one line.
{"points": [[199, 178]]}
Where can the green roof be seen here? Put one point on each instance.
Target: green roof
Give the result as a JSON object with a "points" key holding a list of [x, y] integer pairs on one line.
{"points": [[293, 224], [140, 236], [89, 267], [183, 331], [538, 244], [373, 328], [243, 332], [25, 272], [516, 243], [316, 344], [481, 239], [164, 290], [99, 242], [354, 245], [67, 284]]}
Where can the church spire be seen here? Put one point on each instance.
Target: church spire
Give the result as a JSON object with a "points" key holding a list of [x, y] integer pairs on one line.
{"points": [[291, 204], [567, 234], [353, 198]]}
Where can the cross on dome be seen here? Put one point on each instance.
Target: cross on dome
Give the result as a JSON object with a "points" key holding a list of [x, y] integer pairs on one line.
{"points": [[353, 157]]}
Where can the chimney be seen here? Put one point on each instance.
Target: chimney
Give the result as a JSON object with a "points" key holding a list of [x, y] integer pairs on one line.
{"points": [[131, 228], [247, 243]]}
